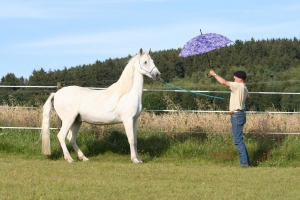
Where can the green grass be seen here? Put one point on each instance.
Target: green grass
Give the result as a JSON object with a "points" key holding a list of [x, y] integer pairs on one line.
{"points": [[176, 166], [264, 150], [113, 176]]}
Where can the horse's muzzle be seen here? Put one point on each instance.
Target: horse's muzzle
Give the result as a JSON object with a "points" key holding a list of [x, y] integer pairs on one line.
{"points": [[156, 76]]}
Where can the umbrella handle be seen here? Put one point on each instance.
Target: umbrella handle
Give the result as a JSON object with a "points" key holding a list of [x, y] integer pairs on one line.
{"points": [[209, 76]]}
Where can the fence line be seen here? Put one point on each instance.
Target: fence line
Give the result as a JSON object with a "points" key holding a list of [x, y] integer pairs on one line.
{"points": [[31, 107], [159, 90], [154, 90], [267, 133], [25, 128], [221, 111], [21, 86], [174, 111], [213, 91]]}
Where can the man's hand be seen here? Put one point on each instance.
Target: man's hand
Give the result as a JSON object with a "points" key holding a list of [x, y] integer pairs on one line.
{"points": [[219, 78], [212, 72]]}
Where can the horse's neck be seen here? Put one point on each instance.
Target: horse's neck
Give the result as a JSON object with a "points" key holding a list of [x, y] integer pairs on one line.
{"points": [[133, 80], [137, 84]]}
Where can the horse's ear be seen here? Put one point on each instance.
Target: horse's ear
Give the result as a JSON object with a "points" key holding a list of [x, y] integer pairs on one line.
{"points": [[149, 51], [141, 51]]}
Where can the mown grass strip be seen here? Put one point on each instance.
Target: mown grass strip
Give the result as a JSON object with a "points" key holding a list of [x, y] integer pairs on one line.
{"points": [[113, 176]]}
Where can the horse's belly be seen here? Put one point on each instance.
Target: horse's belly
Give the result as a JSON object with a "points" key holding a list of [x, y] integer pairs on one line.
{"points": [[101, 119]]}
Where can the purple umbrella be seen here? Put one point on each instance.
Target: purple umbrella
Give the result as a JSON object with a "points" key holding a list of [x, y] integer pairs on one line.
{"points": [[203, 44]]}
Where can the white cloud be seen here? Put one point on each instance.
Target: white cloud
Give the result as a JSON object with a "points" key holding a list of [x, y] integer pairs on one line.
{"points": [[10, 9], [42, 9], [34, 9], [126, 41]]}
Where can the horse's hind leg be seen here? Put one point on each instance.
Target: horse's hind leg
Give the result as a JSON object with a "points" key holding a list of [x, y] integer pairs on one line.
{"points": [[72, 138], [62, 136]]}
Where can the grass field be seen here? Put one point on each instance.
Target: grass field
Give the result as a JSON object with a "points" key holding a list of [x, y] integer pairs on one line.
{"points": [[186, 156], [113, 176]]}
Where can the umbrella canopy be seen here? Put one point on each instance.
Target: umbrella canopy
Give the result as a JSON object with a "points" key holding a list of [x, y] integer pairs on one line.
{"points": [[203, 44]]}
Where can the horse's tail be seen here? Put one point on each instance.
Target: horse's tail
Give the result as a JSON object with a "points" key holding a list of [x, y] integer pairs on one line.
{"points": [[46, 125]]}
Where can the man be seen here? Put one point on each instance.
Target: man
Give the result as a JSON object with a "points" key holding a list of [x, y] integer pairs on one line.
{"points": [[238, 96]]}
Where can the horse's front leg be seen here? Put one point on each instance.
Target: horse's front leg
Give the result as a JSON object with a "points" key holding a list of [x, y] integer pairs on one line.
{"points": [[131, 128]]}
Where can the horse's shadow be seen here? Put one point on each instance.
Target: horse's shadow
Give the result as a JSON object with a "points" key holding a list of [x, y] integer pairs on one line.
{"points": [[155, 145], [116, 141]]}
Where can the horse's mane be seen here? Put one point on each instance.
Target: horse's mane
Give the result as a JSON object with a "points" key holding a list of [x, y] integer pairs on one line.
{"points": [[123, 85]]}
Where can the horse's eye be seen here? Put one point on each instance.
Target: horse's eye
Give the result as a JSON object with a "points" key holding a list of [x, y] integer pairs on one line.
{"points": [[145, 62]]}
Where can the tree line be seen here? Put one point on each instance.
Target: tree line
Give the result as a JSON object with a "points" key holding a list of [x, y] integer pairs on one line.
{"points": [[271, 65]]}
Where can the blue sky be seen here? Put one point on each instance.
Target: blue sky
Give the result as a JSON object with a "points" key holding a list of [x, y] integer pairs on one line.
{"points": [[52, 34]]}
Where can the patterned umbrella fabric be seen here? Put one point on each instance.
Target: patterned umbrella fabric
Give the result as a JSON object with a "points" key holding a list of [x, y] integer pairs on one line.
{"points": [[203, 44]]}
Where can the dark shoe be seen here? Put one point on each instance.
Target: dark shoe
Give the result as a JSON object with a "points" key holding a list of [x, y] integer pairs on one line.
{"points": [[245, 166]]}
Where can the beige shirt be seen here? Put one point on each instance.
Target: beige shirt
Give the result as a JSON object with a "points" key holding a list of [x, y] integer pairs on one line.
{"points": [[238, 96]]}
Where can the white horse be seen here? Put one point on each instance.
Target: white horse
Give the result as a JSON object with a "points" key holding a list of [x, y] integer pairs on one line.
{"points": [[121, 102]]}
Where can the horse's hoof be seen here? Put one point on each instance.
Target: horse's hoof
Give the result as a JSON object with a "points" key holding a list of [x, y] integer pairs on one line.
{"points": [[70, 160], [84, 158], [136, 161]]}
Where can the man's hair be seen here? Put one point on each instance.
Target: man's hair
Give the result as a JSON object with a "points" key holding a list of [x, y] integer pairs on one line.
{"points": [[240, 74]]}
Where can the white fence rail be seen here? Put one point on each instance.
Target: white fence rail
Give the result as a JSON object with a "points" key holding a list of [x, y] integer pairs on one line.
{"points": [[155, 90], [159, 90]]}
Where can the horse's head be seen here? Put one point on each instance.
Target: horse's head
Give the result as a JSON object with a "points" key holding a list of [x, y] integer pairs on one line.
{"points": [[146, 66]]}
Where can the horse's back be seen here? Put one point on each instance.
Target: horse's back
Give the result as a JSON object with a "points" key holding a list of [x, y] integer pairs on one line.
{"points": [[69, 95], [93, 106], [68, 99]]}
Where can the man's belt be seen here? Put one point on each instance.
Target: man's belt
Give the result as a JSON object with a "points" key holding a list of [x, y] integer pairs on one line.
{"points": [[238, 110]]}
